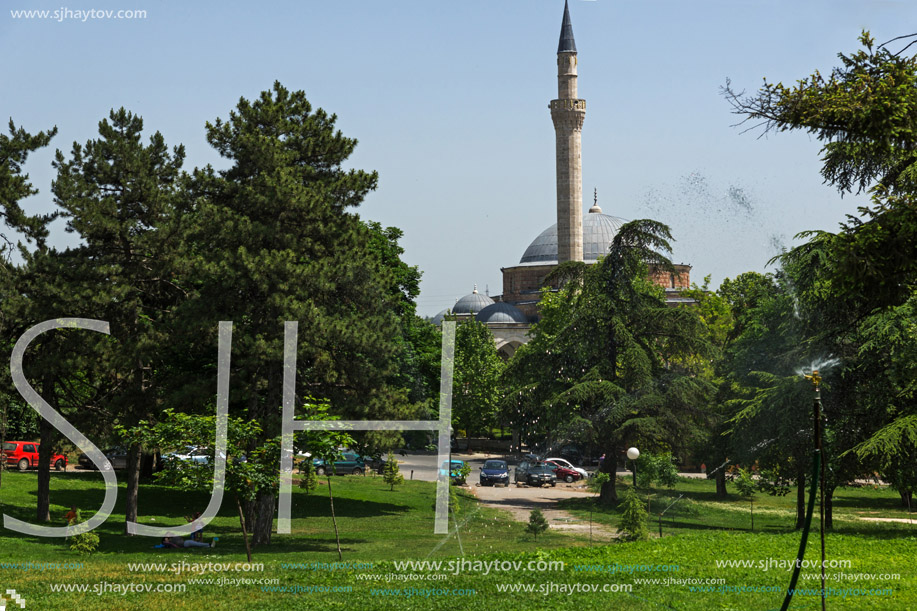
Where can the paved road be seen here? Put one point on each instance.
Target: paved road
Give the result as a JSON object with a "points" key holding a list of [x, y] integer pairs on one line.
{"points": [[520, 501], [425, 468]]}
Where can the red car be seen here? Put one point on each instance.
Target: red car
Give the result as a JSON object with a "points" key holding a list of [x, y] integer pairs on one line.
{"points": [[24, 454], [568, 475]]}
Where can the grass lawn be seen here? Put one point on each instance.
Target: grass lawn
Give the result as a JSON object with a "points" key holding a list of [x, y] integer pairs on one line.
{"points": [[379, 527], [692, 506]]}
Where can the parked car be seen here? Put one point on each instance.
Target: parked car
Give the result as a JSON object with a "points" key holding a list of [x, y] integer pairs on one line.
{"points": [[572, 454], [24, 454], [494, 472], [535, 474], [188, 454], [455, 472], [561, 462], [348, 462], [568, 475], [117, 456]]}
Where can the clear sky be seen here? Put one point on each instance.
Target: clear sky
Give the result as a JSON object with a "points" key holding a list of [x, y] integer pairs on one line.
{"points": [[449, 103]]}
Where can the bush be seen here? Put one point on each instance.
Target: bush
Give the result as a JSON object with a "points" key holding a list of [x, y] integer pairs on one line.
{"points": [[84, 543], [633, 517], [537, 523]]}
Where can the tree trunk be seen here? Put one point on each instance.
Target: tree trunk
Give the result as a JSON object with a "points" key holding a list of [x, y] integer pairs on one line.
{"points": [[250, 511], [721, 484], [800, 498], [148, 465], [43, 506], [263, 518], [248, 549], [609, 494], [907, 499], [134, 454]]}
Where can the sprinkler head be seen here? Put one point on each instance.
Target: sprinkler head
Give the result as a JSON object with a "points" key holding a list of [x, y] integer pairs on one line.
{"points": [[815, 377]]}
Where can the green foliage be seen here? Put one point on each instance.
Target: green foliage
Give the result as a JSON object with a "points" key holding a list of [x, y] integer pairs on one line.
{"points": [[773, 483], [856, 287], [478, 368], [609, 360], [391, 473], [745, 483], [308, 479], [633, 517], [15, 185], [657, 468], [594, 484], [83, 543], [537, 523], [861, 111]]}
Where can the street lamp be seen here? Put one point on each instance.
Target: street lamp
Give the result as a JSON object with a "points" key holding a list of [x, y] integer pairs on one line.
{"points": [[634, 454]]}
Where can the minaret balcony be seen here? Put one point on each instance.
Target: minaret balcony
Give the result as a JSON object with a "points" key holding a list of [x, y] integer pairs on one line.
{"points": [[567, 105]]}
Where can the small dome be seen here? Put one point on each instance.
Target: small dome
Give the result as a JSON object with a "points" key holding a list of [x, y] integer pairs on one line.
{"points": [[501, 312], [472, 304], [439, 318], [598, 232]]}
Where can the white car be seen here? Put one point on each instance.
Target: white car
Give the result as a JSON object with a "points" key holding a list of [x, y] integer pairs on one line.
{"points": [[566, 464], [192, 454]]}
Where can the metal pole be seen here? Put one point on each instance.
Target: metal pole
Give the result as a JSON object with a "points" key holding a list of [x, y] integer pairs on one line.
{"points": [[821, 507]]}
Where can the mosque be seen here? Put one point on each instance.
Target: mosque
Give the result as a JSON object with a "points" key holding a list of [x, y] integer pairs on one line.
{"points": [[574, 237]]}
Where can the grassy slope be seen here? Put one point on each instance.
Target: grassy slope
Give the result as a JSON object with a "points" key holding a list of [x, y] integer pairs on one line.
{"points": [[378, 524]]}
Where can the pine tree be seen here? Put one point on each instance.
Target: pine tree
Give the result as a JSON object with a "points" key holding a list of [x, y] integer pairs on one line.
{"points": [[537, 523], [273, 238], [124, 199], [391, 472]]}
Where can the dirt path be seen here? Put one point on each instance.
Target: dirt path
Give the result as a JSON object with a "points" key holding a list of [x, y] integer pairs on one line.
{"points": [[521, 501]]}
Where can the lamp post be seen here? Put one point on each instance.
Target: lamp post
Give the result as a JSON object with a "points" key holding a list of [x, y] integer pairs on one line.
{"points": [[634, 454]]}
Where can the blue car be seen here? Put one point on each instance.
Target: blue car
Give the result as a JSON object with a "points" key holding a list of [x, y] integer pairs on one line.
{"points": [[495, 472]]}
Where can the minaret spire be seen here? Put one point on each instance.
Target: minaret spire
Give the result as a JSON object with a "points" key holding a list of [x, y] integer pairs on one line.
{"points": [[567, 44], [568, 113]]}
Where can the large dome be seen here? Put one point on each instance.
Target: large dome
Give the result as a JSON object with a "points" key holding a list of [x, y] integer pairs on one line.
{"points": [[598, 232], [472, 304]]}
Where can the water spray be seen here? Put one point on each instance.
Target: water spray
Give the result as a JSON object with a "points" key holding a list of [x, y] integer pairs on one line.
{"points": [[818, 485]]}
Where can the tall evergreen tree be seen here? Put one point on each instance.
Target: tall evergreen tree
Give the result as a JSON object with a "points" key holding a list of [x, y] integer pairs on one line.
{"points": [[612, 358], [272, 239], [124, 199]]}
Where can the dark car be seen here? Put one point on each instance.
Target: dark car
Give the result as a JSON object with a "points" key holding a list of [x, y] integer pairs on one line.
{"points": [[535, 474], [117, 456], [495, 472], [348, 462], [24, 454]]}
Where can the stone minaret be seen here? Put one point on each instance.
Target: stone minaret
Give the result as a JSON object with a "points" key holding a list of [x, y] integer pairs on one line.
{"points": [[568, 113]]}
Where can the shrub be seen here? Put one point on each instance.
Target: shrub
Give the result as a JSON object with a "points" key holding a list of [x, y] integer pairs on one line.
{"points": [[83, 543], [633, 517]]}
